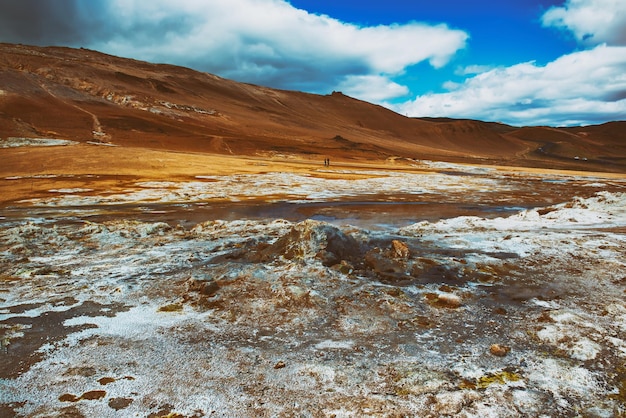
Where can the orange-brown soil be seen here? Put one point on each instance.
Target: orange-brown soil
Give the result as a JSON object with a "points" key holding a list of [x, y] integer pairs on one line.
{"points": [[147, 109]]}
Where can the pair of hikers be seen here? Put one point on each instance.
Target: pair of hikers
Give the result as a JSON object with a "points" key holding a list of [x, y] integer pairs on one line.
{"points": [[327, 162]]}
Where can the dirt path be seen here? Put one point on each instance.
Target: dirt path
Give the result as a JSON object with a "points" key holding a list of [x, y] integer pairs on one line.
{"points": [[98, 133]]}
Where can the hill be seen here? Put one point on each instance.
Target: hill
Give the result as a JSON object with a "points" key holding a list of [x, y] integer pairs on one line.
{"points": [[87, 96]]}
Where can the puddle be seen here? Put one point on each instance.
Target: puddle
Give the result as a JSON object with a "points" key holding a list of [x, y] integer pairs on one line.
{"points": [[365, 214]]}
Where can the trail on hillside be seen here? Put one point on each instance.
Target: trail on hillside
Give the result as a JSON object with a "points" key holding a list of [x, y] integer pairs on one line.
{"points": [[98, 133]]}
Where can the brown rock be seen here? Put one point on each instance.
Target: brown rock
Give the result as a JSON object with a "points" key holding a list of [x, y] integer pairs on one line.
{"points": [[344, 267], [93, 395], [378, 261], [280, 365], [106, 380], [443, 300], [400, 249], [204, 287], [499, 350], [172, 307], [68, 397], [119, 403]]}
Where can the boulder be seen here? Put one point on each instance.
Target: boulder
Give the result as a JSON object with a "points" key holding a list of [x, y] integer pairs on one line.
{"points": [[400, 249]]}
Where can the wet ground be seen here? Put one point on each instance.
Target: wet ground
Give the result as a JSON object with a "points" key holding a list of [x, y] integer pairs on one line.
{"points": [[468, 292], [369, 214], [390, 201]]}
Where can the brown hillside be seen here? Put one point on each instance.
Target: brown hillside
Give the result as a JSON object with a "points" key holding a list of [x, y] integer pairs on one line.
{"points": [[88, 96]]}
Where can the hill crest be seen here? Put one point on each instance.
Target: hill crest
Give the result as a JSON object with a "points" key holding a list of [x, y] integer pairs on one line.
{"points": [[84, 95]]}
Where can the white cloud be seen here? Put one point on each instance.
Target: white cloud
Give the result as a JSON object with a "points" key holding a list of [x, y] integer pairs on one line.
{"points": [[273, 43], [579, 88], [372, 88], [473, 69], [591, 21]]}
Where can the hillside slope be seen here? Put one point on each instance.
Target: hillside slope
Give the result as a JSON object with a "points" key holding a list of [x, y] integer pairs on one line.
{"points": [[88, 96]]}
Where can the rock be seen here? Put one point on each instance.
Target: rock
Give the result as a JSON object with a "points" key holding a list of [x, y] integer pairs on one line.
{"points": [[400, 249], [204, 287], [209, 288], [106, 380], [172, 307], [68, 397], [314, 239], [280, 365], [449, 300], [93, 395], [499, 350], [379, 262], [443, 300], [428, 270], [344, 267], [119, 403]]}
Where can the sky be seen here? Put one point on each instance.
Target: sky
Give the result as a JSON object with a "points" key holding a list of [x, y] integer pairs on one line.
{"points": [[520, 62]]}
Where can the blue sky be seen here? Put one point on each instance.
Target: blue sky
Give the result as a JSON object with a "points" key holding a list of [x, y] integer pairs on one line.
{"points": [[522, 62], [501, 33]]}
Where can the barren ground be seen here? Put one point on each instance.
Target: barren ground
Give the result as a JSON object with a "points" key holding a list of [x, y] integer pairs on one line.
{"points": [[153, 283]]}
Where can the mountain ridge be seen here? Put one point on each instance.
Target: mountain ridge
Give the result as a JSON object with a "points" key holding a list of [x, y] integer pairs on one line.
{"points": [[87, 96]]}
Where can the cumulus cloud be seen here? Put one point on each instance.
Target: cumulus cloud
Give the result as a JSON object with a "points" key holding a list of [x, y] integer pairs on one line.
{"points": [[592, 22], [268, 42], [50, 22], [473, 69], [579, 88], [372, 88]]}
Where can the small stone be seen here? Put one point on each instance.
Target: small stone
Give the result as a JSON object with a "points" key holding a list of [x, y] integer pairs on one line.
{"points": [[106, 380], [499, 350], [93, 395], [280, 365], [204, 287], [499, 311], [446, 288], [172, 307], [444, 300], [344, 267], [400, 249], [119, 403], [68, 397], [209, 289]]}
